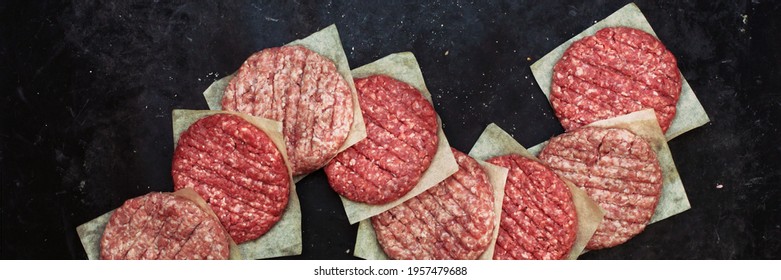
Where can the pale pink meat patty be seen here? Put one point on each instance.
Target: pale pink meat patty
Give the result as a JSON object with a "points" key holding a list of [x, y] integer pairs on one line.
{"points": [[617, 169], [452, 220], [614, 72], [400, 144], [163, 226], [538, 220], [237, 169], [305, 92]]}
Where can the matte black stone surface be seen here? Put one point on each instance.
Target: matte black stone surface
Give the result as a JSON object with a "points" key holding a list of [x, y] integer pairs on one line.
{"points": [[88, 89]]}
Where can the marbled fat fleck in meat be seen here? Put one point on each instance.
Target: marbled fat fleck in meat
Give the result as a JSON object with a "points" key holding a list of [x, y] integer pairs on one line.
{"points": [[452, 220]]}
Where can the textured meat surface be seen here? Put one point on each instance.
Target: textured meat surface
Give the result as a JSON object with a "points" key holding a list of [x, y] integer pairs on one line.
{"points": [[237, 169], [452, 220], [305, 92], [163, 226], [617, 169], [401, 142], [616, 71], [538, 220]]}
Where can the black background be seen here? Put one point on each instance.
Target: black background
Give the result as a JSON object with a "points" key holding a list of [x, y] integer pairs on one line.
{"points": [[88, 88]]}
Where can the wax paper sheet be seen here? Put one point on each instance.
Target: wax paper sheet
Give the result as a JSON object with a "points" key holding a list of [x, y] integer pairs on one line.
{"points": [[327, 43], [367, 247], [404, 67], [284, 239], [673, 199], [689, 112], [91, 232], [495, 142]]}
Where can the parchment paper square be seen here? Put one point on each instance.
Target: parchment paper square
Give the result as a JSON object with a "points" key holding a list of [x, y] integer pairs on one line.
{"points": [[327, 43], [90, 233], [367, 246], [689, 112], [673, 199], [404, 67], [496, 142], [284, 239]]}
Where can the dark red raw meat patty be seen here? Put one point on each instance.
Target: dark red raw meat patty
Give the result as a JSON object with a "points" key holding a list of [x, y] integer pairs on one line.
{"points": [[305, 92], [617, 169], [614, 72], [538, 221], [401, 142], [452, 220], [163, 226], [237, 169]]}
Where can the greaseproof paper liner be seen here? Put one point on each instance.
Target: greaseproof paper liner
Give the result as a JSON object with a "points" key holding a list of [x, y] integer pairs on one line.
{"points": [[284, 239], [367, 246], [673, 199], [495, 142], [90, 233], [404, 67], [689, 112], [327, 43]]}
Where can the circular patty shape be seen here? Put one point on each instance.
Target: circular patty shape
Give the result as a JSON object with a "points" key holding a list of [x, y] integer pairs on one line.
{"points": [[237, 169], [616, 71], [305, 92], [538, 220], [163, 226], [452, 220], [617, 169], [401, 141]]}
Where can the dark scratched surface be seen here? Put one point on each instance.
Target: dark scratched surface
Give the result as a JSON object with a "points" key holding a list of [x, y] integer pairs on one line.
{"points": [[88, 88]]}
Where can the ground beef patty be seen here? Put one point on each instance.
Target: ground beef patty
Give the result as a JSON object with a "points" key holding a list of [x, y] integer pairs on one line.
{"points": [[163, 226], [237, 169], [617, 169], [538, 216], [452, 220], [616, 71], [304, 91], [401, 142]]}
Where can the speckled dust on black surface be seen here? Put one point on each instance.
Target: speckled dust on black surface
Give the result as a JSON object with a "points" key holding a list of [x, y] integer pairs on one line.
{"points": [[88, 90]]}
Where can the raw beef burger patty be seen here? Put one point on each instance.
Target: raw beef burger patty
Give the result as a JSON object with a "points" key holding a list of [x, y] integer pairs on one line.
{"points": [[163, 226], [237, 169], [401, 142], [452, 220], [305, 92], [616, 71], [617, 169], [539, 221]]}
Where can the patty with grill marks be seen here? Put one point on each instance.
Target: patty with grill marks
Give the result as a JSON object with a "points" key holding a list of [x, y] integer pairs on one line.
{"points": [[401, 141], [538, 220], [616, 168], [614, 72], [452, 220], [163, 226], [304, 91], [237, 169]]}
